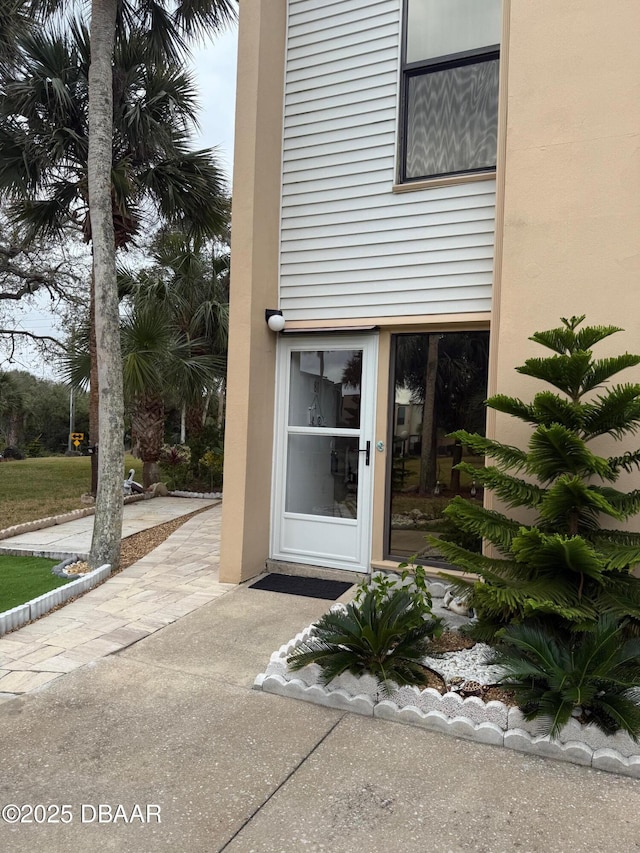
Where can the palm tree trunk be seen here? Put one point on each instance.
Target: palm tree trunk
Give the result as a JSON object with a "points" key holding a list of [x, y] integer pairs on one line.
{"points": [[147, 420], [427, 455], [93, 385], [222, 399], [14, 433], [107, 527], [195, 418], [454, 484]]}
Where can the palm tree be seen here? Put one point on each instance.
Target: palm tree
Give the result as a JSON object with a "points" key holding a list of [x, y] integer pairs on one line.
{"points": [[15, 21], [45, 114], [154, 174], [192, 283], [162, 357], [158, 359], [168, 26]]}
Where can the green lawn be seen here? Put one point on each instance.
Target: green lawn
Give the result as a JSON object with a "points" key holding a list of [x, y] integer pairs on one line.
{"points": [[37, 488], [24, 578]]}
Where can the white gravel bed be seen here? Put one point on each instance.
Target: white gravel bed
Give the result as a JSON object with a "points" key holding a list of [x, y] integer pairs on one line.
{"points": [[469, 664]]}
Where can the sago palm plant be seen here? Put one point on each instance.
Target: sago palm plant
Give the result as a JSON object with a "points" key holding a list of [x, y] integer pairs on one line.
{"points": [[385, 638], [597, 677]]}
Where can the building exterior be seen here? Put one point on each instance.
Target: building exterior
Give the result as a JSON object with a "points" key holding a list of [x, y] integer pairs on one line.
{"points": [[418, 185]]}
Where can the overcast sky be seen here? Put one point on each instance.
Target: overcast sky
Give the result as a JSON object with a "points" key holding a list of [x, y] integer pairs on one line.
{"points": [[215, 72], [215, 67]]}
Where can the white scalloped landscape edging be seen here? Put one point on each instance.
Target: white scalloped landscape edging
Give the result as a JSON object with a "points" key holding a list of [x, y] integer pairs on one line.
{"points": [[180, 493], [491, 722], [74, 514], [52, 520], [18, 616], [42, 523]]}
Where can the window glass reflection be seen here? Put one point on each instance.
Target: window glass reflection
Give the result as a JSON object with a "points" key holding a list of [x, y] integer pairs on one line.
{"points": [[440, 383], [325, 388], [322, 475], [442, 27]]}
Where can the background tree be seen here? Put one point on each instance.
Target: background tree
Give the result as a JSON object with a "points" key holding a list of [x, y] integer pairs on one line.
{"points": [[32, 408], [16, 20], [173, 331], [155, 175], [38, 274], [158, 360], [150, 166], [191, 281]]}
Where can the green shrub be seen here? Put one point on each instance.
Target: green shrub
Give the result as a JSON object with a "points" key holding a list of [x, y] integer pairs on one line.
{"points": [[595, 676], [34, 448], [386, 636], [211, 438], [174, 464], [213, 463], [412, 579]]}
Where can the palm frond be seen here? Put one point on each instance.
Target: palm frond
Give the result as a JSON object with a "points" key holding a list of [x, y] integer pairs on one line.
{"points": [[386, 638]]}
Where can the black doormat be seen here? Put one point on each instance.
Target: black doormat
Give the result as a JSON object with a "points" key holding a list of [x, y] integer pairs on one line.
{"points": [[309, 587]]}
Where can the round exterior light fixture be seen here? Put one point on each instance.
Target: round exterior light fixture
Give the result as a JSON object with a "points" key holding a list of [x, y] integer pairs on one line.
{"points": [[275, 320]]}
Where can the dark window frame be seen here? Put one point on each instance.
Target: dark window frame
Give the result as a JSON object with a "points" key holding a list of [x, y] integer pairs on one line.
{"points": [[421, 69]]}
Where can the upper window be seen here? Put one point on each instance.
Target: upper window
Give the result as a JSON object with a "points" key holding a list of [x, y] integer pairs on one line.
{"points": [[450, 79]]}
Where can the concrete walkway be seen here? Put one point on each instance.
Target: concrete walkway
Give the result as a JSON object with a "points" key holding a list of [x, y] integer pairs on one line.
{"points": [[74, 537], [179, 576], [171, 725]]}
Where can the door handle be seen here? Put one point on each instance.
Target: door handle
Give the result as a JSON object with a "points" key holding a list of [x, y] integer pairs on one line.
{"points": [[367, 450]]}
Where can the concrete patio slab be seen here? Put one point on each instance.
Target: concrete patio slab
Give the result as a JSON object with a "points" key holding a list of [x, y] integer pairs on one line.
{"points": [[172, 721], [206, 757], [374, 786]]}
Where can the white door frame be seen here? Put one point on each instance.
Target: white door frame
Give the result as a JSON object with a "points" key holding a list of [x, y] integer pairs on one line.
{"points": [[348, 541]]}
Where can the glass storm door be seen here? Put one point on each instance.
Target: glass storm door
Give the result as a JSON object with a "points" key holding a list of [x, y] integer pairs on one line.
{"points": [[324, 451]]}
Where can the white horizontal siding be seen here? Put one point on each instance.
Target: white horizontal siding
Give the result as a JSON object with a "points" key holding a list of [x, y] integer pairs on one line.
{"points": [[350, 247]]}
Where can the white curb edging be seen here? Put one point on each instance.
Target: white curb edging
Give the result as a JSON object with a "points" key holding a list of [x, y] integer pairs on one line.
{"points": [[491, 722], [180, 493], [52, 520], [18, 616], [74, 514]]}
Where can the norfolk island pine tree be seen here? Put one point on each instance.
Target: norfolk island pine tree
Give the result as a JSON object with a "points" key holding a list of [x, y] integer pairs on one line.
{"points": [[564, 569]]}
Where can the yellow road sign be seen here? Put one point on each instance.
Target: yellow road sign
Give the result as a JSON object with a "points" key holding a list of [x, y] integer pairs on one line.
{"points": [[77, 436]]}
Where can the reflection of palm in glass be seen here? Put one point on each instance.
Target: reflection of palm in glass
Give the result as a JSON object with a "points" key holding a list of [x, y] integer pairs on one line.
{"points": [[440, 381]]}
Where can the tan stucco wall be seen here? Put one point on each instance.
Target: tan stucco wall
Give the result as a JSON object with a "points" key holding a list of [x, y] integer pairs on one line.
{"points": [[254, 287], [571, 171], [568, 225]]}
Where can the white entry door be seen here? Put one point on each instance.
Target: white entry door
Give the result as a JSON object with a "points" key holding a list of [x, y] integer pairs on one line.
{"points": [[324, 450]]}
